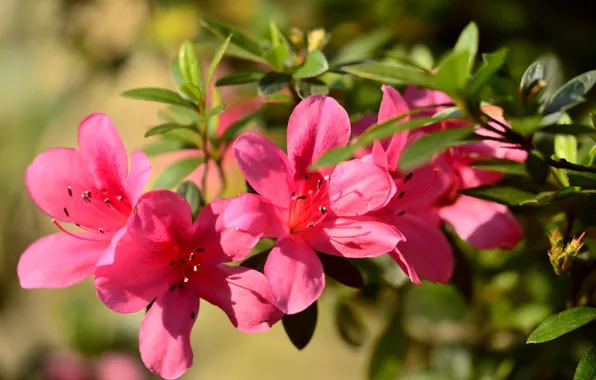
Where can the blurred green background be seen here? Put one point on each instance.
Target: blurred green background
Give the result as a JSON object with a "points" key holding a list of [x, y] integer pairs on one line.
{"points": [[63, 59]]}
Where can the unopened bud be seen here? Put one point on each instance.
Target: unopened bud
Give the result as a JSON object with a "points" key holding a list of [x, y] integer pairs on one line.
{"points": [[562, 256], [531, 91], [317, 39], [297, 38]]}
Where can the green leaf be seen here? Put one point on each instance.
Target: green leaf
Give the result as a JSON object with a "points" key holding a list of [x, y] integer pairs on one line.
{"points": [[501, 166], [216, 60], [363, 47], [485, 73], [314, 64], [164, 146], [506, 195], [310, 86], [215, 111], [190, 191], [468, 42], [177, 77], [537, 168], [233, 130], [301, 327], [422, 150], [276, 56], [533, 73], [586, 369], [189, 65], [591, 156], [176, 173], [566, 147], [192, 92], [562, 323], [160, 95], [159, 129], [525, 125], [273, 82], [389, 351], [392, 74], [180, 115], [571, 93], [237, 78], [569, 129], [452, 74], [349, 324], [239, 39]]}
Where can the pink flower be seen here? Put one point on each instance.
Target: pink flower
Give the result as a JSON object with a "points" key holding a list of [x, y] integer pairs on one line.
{"points": [[424, 252], [310, 211], [163, 256], [481, 223], [91, 188]]}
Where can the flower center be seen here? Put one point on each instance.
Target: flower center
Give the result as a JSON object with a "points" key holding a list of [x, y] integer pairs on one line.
{"points": [[309, 202], [184, 268], [113, 209]]}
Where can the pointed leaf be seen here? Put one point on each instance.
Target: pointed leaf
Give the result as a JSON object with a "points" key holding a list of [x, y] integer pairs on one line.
{"points": [[570, 129], [160, 95], [533, 73], [276, 56], [562, 323], [510, 196], [500, 166], [176, 172], [159, 129], [586, 369], [349, 323], [273, 82], [237, 78], [486, 72], [526, 125], [189, 65], [341, 270], [239, 39], [363, 47], [571, 93], [425, 148], [164, 146], [452, 74], [468, 41], [301, 327], [392, 74], [192, 92], [216, 60], [566, 147], [190, 191], [314, 64]]}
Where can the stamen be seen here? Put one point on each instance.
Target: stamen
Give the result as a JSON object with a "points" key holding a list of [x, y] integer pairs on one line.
{"points": [[88, 194], [311, 224], [65, 211], [185, 280], [191, 256], [101, 230], [323, 209], [70, 191], [119, 197], [107, 200], [85, 198], [196, 267], [70, 233], [319, 184]]}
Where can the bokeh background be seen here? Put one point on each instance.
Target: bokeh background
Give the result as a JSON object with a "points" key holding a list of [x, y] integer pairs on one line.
{"points": [[63, 59]]}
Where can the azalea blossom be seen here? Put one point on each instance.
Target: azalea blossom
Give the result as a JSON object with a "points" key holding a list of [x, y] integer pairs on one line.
{"points": [[424, 252], [310, 211], [483, 224], [90, 188], [163, 257]]}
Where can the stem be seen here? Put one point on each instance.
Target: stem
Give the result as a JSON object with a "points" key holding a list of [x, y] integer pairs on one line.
{"points": [[562, 163], [218, 165]]}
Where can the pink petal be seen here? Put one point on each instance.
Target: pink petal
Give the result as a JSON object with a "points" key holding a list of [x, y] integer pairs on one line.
{"points": [[253, 214], [111, 366], [362, 125], [420, 97], [424, 186], [242, 293], [393, 105], [164, 338], [483, 224], [361, 236], [357, 187], [408, 268], [48, 179], [426, 252], [317, 125], [221, 244], [130, 274], [59, 260], [140, 171], [103, 152], [265, 167], [295, 275]]}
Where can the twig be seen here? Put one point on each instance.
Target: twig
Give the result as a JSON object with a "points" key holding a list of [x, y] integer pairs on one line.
{"points": [[562, 163]]}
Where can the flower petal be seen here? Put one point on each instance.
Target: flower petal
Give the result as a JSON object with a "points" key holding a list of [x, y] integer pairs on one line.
{"points": [[242, 293], [130, 274], [317, 125], [425, 252], [392, 105], [253, 214], [103, 152], [265, 167], [221, 244], [483, 224], [59, 260], [357, 187], [164, 338], [295, 275], [360, 236], [140, 171], [420, 97]]}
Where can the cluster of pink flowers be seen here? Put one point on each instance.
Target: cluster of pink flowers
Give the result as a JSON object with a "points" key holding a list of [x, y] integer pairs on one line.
{"points": [[145, 249]]}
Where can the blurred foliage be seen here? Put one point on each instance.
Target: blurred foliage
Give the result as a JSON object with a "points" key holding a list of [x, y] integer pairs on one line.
{"points": [[62, 59]]}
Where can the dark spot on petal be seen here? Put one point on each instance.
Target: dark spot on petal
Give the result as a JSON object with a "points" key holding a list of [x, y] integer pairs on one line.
{"points": [[401, 195], [401, 213], [192, 314], [70, 191], [65, 211], [173, 287], [408, 177]]}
